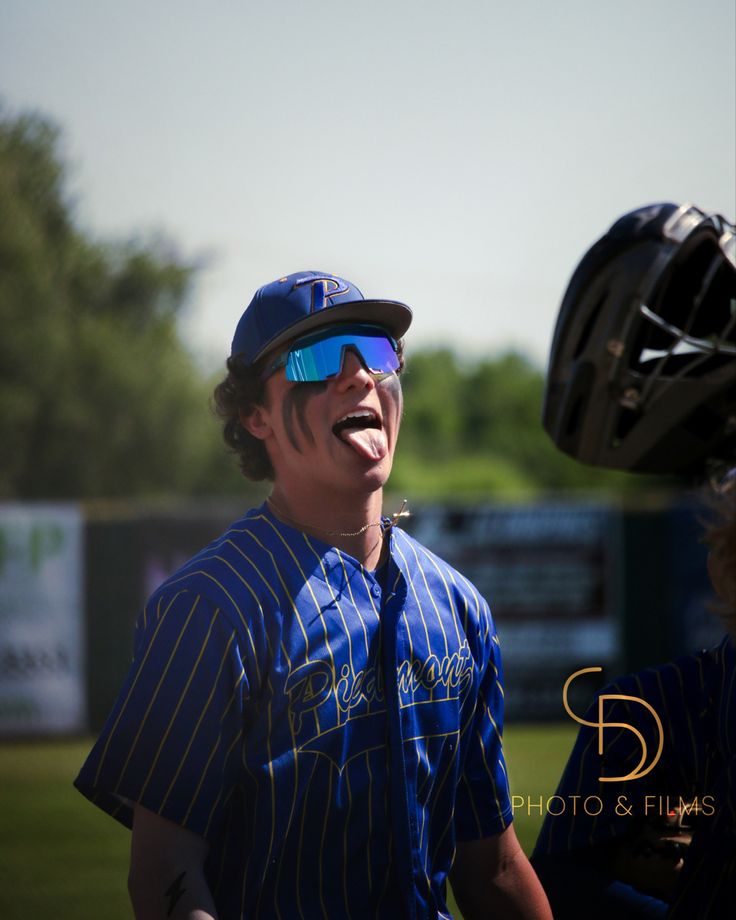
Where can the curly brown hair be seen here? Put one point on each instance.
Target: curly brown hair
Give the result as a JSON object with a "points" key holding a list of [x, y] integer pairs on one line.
{"points": [[241, 391], [720, 537]]}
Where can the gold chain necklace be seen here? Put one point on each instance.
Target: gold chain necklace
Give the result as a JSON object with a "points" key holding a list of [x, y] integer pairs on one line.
{"points": [[384, 524]]}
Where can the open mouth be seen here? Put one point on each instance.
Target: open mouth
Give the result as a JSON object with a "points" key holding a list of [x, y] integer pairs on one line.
{"points": [[356, 420], [363, 432]]}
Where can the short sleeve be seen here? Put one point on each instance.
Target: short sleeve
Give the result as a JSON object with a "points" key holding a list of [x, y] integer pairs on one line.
{"points": [[172, 741], [483, 804]]}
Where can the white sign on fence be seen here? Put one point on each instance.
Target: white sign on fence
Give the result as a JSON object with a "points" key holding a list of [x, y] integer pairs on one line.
{"points": [[41, 620]]}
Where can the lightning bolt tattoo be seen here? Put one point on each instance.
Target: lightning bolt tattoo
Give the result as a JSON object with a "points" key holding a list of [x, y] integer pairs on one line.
{"points": [[174, 892]]}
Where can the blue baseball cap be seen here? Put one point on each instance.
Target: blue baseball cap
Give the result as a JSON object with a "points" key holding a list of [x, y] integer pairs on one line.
{"points": [[299, 303]]}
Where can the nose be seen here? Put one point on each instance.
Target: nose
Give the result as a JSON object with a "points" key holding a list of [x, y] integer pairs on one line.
{"points": [[353, 373]]}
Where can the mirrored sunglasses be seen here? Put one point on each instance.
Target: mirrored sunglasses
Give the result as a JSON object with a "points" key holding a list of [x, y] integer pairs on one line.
{"points": [[320, 356]]}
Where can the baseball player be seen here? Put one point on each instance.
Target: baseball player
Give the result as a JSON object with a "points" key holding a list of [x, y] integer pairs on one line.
{"points": [[311, 726], [642, 377]]}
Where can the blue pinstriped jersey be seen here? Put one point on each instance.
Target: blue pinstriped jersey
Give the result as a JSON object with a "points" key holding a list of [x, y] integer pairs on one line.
{"points": [[695, 697], [332, 734]]}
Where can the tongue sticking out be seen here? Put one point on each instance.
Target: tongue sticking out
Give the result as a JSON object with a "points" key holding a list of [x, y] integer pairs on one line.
{"points": [[369, 443]]}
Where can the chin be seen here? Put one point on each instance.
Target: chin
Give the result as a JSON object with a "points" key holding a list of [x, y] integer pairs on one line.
{"points": [[374, 478]]}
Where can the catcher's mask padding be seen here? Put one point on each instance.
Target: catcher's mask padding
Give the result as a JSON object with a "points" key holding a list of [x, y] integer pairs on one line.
{"points": [[642, 370]]}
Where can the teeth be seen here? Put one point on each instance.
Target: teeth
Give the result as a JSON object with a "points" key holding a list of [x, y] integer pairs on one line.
{"points": [[366, 414]]}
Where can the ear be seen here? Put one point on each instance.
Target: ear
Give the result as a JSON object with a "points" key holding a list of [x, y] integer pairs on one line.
{"points": [[257, 422]]}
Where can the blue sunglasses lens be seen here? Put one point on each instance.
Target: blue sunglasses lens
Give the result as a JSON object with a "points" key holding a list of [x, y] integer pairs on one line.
{"points": [[322, 358]]}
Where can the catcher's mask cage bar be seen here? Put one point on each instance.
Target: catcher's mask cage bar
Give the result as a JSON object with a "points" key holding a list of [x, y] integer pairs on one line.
{"points": [[677, 229], [687, 218]]}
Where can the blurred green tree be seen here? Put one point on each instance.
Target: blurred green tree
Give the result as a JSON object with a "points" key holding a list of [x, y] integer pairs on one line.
{"points": [[98, 396], [431, 425], [473, 428]]}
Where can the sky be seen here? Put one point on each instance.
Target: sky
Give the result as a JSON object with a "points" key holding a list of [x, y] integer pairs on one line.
{"points": [[459, 157]]}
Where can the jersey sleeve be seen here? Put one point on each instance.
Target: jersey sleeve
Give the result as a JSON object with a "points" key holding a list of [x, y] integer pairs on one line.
{"points": [[483, 803], [172, 741]]}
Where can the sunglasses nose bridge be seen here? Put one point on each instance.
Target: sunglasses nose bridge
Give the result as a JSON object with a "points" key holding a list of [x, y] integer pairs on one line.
{"points": [[349, 368]]}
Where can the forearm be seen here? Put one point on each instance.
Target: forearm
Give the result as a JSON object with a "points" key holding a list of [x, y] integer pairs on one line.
{"points": [[497, 882], [166, 879], [167, 892], [514, 894]]}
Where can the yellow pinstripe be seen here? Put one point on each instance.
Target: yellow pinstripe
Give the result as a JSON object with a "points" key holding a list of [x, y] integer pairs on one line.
{"points": [[666, 719], [490, 776], [172, 719], [370, 821], [419, 606], [450, 602], [322, 848], [199, 721], [214, 748], [155, 693], [390, 839], [324, 624], [271, 774], [286, 590], [471, 799], [471, 591], [441, 837], [307, 658], [301, 838], [132, 688], [578, 788], [228, 754], [345, 847], [431, 597], [408, 627], [236, 606], [370, 595], [268, 586], [301, 625], [355, 606]]}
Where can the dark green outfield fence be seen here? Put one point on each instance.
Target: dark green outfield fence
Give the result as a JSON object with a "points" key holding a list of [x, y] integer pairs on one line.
{"points": [[125, 559], [571, 585]]}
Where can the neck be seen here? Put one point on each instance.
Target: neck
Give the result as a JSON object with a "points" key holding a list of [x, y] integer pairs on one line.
{"points": [[352, 525]]}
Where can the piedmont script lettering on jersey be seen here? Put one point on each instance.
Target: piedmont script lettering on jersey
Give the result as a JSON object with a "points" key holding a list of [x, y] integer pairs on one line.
{"points": [[313, 685]]}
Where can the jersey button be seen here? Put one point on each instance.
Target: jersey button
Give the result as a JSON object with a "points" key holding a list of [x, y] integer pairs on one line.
{"points": [[376, 591]]}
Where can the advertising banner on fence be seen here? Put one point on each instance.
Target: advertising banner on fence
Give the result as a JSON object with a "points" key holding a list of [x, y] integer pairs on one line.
{"points": [[41, 620], [549, 574]]}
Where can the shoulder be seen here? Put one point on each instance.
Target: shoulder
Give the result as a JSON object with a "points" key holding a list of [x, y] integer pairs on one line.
{"points": [[230, 574], [429, 562], [722, 657], [442, 579], [682, 677]]}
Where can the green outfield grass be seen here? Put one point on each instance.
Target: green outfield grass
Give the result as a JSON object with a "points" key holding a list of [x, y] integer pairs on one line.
{"points": [[536, 755], [62, 858]]}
